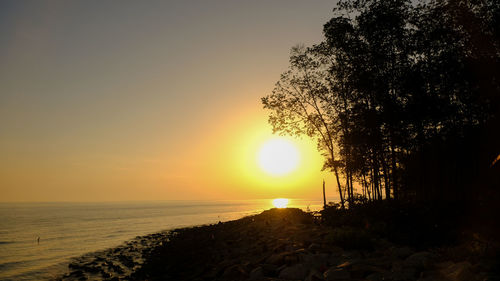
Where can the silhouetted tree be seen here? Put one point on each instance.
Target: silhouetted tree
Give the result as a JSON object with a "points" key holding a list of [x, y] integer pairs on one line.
{"points": [[396, 94], [298, 109]]}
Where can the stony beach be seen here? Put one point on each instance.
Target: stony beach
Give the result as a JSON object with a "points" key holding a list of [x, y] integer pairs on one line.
{"points": [[279, 244]]}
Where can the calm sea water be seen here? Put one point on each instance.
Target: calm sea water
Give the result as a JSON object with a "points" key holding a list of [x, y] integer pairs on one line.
{"points": [[69, 230]]}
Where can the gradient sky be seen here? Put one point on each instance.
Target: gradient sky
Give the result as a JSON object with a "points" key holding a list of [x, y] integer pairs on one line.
{"points": [[147, 100]]}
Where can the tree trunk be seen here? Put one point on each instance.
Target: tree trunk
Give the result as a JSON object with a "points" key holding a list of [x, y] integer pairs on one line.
{"points": [[324, 195], [335, 170]]}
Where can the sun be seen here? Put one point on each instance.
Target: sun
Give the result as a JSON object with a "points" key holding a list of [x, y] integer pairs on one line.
{"points": [[278, 157], [280, 202]]}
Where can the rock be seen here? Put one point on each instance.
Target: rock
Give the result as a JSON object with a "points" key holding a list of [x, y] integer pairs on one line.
{"points": [[459, 272], [298, 271], [284, 258], [335, 249], [105, 275], [361, 270], [432, 275], [77, 273], [316, 261], [314, 275], [234, 272], [403, 274], [419, 260], [352, 255], [335, 273], [277, 259], [401, 253], [270, 270], [377, 276], [444, 264], [314, 247], [257, 273]]}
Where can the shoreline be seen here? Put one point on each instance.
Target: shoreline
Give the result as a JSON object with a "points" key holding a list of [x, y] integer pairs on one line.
{"points": [[277, 244]]}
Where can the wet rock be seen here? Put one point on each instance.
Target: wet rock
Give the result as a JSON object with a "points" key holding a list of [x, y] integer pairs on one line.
{"points": [[335, 273], [298, 271]]}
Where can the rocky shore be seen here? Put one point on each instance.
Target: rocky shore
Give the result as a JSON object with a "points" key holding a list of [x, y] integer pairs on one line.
{"points": [[280, 244]]}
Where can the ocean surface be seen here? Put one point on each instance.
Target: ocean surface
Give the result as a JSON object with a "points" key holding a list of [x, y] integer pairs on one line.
{"points": [[69, 230]]}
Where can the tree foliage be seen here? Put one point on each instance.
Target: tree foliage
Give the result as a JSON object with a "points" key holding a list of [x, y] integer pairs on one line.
{"points": [[395, 94]]}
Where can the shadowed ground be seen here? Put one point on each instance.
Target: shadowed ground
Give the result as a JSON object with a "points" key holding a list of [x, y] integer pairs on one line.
{"points": [[282, 244]]}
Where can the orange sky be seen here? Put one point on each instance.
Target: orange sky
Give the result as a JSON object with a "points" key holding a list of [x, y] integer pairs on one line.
{"points": [[108, 101]]}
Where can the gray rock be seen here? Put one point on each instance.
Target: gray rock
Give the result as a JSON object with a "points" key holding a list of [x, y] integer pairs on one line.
{"points": [[298, 271], [335, 273]]}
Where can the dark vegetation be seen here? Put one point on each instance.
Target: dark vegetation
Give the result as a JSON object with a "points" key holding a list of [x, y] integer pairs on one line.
{"points": [[403, 99]]}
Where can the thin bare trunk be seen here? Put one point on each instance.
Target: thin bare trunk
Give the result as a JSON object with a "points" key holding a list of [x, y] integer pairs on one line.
{"points": [[324, 195]]}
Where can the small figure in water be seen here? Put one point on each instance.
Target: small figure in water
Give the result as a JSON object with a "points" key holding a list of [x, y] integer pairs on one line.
{"points": [[38, 240]]}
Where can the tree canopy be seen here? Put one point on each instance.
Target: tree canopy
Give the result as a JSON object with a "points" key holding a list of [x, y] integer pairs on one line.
{"points": [[402, 98]]}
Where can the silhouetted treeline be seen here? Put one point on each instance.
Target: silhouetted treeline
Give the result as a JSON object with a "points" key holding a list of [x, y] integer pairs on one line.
{"points": [[403, 98]]}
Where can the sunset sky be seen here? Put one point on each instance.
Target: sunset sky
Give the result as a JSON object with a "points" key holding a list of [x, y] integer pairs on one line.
{"points": [[148, 100]]}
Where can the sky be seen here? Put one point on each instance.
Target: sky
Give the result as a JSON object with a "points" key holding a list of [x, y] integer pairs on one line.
{"points": [[148, 100]]}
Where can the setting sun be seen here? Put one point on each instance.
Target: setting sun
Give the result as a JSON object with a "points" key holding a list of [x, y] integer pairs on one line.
{"points": [[280, 202], [278, 157]]}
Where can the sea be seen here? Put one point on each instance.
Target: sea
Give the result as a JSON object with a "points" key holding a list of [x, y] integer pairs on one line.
{"points": [[38, 240]]}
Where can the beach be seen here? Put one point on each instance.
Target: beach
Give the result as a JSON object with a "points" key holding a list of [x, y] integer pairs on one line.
{"points": [[277, 244]]}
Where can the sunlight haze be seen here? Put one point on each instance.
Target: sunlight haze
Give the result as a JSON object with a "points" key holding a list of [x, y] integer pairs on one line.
{"points": [[153, 100]]}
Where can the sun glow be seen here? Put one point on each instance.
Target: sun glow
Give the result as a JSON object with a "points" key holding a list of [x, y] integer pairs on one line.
{"points": [[278, 157], [280, 202]]}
